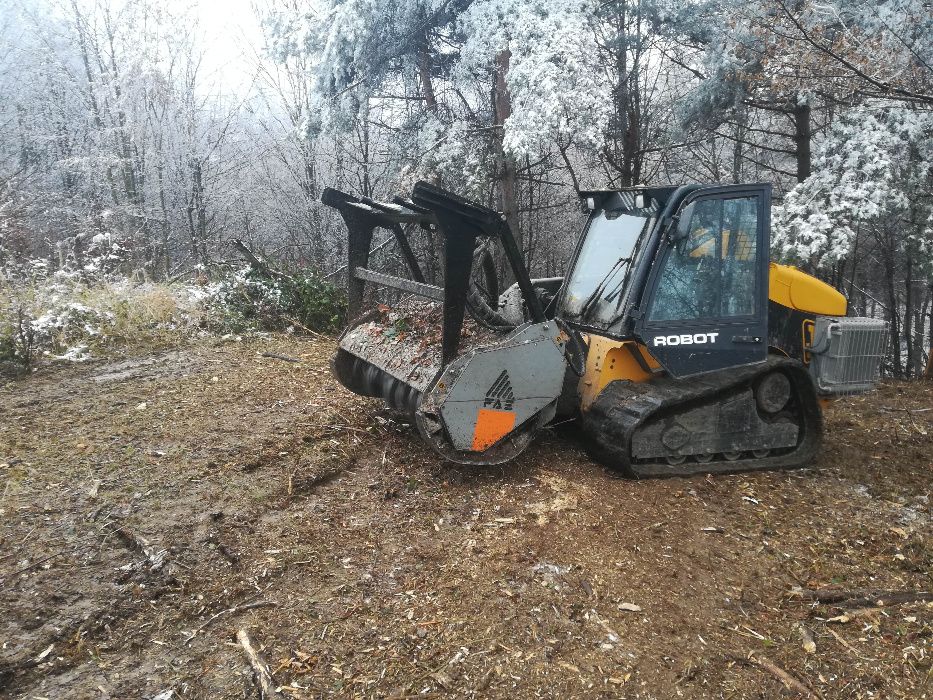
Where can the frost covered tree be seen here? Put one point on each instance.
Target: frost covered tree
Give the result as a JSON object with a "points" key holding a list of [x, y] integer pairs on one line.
{"points": [[468, 88], [749, 92], [771, 73], [108, 142], [767, 78], [873, 163], [864, 217]]}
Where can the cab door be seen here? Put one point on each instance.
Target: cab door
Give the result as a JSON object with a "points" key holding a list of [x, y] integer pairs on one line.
{"points": [[705, 303]]}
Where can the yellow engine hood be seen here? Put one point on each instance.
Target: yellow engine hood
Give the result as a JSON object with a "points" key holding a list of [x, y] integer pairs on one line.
{"points": [[794, 289]]}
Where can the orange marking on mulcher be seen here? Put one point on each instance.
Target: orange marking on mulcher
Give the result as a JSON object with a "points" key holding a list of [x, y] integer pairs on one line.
{"points": [[491, 426]]}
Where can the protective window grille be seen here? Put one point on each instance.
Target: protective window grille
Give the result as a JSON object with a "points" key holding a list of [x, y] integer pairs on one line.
{"points": [[743, 248], [629, 202], [846, 354]]}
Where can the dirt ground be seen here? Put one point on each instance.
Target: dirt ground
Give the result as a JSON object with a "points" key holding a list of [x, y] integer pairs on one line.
{"points": [[153, 507]]}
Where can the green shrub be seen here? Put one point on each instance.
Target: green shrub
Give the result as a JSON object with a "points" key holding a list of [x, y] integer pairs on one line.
{"points": [[302, 302], [316, 304], [18, 342]]}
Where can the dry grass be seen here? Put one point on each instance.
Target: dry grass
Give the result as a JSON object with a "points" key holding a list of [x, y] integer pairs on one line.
{"points": [[68, 319]]}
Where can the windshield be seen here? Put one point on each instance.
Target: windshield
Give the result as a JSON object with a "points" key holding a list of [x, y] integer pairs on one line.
{"points": [[595, 288]]}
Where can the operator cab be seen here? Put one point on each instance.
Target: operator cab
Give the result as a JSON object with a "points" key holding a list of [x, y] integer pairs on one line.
{"points": [[683, 270]]}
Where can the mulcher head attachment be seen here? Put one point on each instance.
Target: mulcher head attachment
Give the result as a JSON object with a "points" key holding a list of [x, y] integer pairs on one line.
{"points": [[476, 385]]}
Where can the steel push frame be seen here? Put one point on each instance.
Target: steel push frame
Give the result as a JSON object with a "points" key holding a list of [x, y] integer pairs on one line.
{"points": [[461, 224]]}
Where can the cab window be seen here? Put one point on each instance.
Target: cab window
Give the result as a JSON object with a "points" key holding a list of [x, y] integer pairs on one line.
{"points": [[712, 273]]}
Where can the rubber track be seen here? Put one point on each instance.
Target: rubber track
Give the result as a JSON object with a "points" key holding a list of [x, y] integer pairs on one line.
{"points": [[623, 406]]}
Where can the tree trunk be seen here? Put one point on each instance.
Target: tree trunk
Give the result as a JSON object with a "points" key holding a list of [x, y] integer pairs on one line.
{"points": [[531, 240], [197, 215], [908, 316], [508, 172], [366, 186], [624, 153], [919, 334], [893, 315], [928, 372], [854, 265], [802, 134], [424, 72], [312, 205], [737, 146], [166, 253]]}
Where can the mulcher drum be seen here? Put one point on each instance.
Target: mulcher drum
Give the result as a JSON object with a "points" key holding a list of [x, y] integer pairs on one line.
{"points": [[395, 354]]}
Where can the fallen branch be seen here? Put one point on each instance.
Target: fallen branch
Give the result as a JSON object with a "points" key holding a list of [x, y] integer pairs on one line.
{"points": [[260, 667], [158, 558], [225, 551], [892, 598], [228, 611], [37, 562], [864, 597], [178, 275], [276, 356], [302, 327], [789, 681], [847, 645], [257, 263]]}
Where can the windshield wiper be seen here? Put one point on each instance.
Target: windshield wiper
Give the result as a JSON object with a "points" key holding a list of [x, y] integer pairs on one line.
{"points": [[600, 288]]}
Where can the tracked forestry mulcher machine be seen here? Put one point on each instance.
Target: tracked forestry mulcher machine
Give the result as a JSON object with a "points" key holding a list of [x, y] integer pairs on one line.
{"points": [[676, 342]]}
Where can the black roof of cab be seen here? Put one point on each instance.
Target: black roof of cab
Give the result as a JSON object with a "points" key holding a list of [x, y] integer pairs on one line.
{"points": [[659, 194]]}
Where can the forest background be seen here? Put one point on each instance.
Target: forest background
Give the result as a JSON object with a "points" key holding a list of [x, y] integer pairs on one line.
{"points": [[140, 163]]}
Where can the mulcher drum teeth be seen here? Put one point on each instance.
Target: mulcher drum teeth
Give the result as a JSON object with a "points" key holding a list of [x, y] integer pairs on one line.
{"points": [[620, 418], [395, 354]]}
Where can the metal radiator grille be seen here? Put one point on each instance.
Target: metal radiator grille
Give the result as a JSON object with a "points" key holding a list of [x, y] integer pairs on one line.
{"points": [[846, 353]]}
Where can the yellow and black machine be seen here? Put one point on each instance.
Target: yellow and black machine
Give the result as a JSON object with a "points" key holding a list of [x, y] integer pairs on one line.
{"points": [[678, 344]]}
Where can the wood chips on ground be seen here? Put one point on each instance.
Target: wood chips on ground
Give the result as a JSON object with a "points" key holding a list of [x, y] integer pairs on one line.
{"points": [[152, 508]]}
